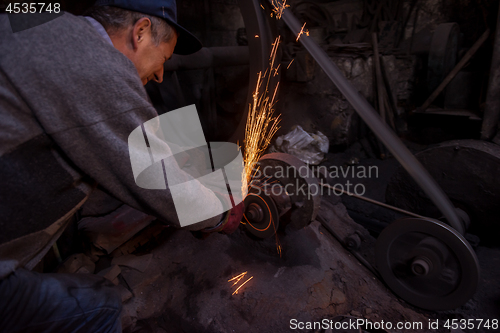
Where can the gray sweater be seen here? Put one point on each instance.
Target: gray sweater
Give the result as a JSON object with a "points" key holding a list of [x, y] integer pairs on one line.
{"points": [[68, 101]]}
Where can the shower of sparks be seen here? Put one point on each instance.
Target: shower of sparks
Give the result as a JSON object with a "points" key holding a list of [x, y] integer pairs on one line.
{"points": [[302, 32], [287, 67], [238, 278], [278, 8], [261, 125], [236, 291]]}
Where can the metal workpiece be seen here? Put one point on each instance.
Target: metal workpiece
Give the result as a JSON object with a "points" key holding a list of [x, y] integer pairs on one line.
{"points": [[373, 120], [427, 263], [209, 57]]}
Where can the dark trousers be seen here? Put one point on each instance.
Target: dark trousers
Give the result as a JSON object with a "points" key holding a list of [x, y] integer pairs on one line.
{"points": [[34, 302]]}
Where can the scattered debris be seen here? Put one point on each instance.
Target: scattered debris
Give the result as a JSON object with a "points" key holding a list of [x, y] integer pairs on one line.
{"points": [[309, 148], [77, 263], [139, 263], [111, 273], [111, 231]]}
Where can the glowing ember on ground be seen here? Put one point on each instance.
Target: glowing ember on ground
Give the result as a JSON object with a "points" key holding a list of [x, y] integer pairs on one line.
{"points": [[236, 291], [238, 278]]}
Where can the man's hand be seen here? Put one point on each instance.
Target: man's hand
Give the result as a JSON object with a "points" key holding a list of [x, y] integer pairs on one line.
{"points": [[234, 217], [229, 223]]}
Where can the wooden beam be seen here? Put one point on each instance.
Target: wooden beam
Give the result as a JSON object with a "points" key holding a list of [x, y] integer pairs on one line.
{"points": [[378, 73], [455, 71]]}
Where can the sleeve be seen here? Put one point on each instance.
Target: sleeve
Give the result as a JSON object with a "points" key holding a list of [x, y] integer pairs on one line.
{"points": [[102, 151]]}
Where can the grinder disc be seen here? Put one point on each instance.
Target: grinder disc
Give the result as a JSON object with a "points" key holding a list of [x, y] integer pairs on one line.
{"points": [[427, 263], [261, 215]]}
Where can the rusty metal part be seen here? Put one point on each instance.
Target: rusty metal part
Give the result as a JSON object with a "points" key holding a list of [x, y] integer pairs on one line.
{"points": [[468, 172], [261, 215], [427, 263], [299, 183], [353, 241], [346, 245], [373, 120], [280, 197], [209, 57]]}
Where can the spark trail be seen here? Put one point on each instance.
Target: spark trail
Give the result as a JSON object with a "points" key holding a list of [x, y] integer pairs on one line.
{"points": [[261, 125]]}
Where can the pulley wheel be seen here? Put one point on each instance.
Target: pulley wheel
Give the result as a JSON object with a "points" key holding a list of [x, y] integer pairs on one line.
{"points": [[427, 263], [261, 216], [467, 170]]}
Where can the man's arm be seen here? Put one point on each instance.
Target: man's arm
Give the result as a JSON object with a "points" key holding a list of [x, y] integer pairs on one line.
{"points": [[88, 98], [101, 151]]}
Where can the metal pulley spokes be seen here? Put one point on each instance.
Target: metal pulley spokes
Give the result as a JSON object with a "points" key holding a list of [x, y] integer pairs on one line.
{"points": [[427, 263], [261, 215]]}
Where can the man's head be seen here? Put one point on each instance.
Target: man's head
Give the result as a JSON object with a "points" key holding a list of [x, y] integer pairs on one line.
{"points": [[146, 40], [146, 32]]}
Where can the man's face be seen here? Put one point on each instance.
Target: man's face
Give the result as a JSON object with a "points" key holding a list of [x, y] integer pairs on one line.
{"points": [[137, 45], [150, 58]]}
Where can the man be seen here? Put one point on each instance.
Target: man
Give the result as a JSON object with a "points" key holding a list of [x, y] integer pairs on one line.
{"points": [[71, 91]]}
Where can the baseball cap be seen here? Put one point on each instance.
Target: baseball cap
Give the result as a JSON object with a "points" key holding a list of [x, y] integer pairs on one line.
{"points": [[187, 43]]}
